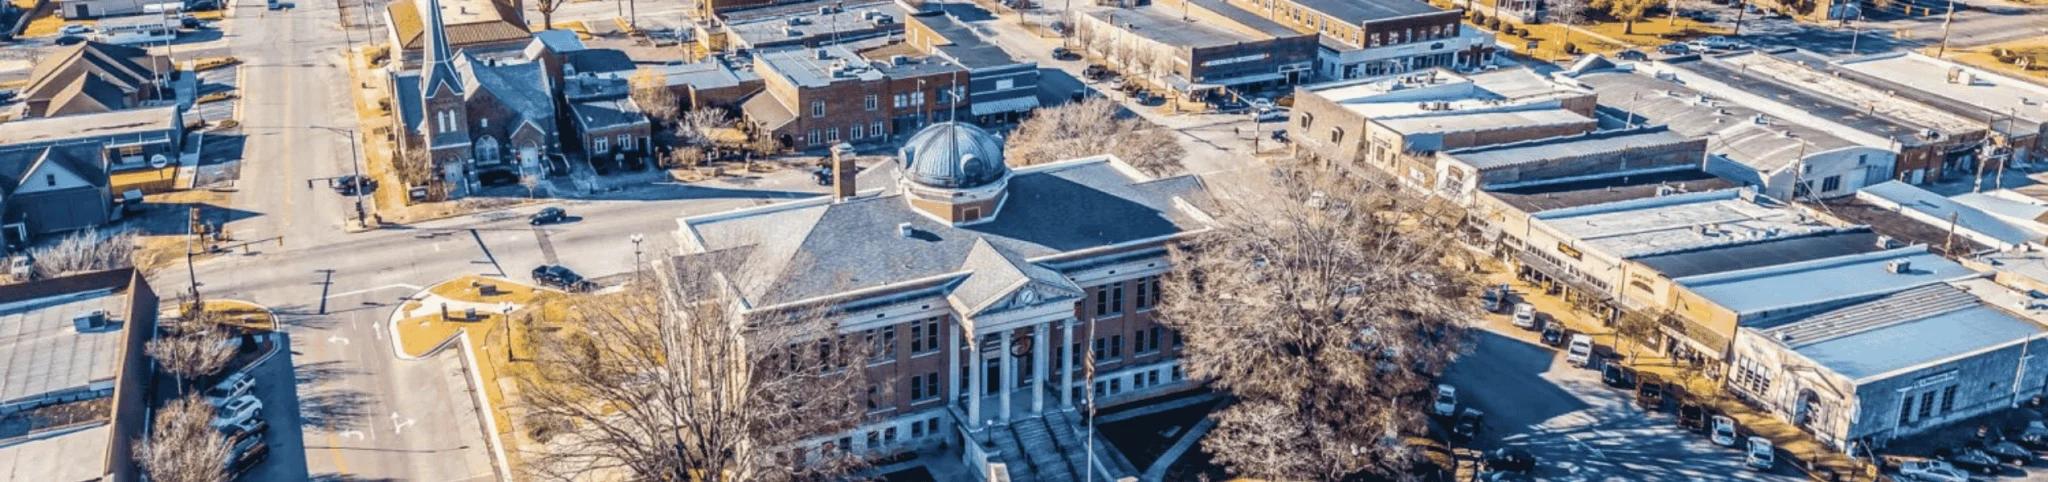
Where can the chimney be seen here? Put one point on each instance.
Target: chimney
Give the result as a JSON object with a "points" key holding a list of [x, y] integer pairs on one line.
{"points": [[843, 170]]}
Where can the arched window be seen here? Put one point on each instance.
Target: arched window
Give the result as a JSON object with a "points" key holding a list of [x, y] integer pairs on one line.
{"points": [[487, 150]]}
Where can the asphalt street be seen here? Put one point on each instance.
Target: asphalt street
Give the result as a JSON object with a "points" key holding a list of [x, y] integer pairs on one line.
{"points": [[1580, 429]]}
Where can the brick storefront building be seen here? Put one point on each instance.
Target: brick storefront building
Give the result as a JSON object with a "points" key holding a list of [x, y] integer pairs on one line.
{"points": [[816, 98]]}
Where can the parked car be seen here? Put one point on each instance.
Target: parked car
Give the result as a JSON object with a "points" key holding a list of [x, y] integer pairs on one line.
{"points": [[498, 177], [559, 277], [253, 426], [234, 386], [1063, 53], [1446, 400], [1761, 454], [245, 456], [1650, 395], [548, 215], [189, 21], [1580, 352], [1095, 72], [1525, 316], [1674, 49], [1724, 431], [1632, 54], [70, 39], [1492, 299], [350, 184], [1970, 459], [236, 410], [1614, 375], [74, 29], [2005, 451], [1720, 42], [1271, 115], [1468, 424], [1513, 459], [1692, 417], [2034, 436], [1932, 471], [1553, 335]]}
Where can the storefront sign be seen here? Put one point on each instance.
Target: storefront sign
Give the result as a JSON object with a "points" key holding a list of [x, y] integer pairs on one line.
{"points": [[1568, 251], [1235, 60]]}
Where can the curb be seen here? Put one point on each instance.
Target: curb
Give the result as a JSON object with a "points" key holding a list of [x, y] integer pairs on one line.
{"points": [[397, 315]]}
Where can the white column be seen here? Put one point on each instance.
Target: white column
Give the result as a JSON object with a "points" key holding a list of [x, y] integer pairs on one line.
{"points": [[974, 368], [1038, 363], [1009, 379], [1067, 366], [952, 370]]}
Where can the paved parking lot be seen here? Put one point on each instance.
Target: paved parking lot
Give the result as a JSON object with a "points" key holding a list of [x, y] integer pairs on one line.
{"points": [[277, 387], [1578, 428]]}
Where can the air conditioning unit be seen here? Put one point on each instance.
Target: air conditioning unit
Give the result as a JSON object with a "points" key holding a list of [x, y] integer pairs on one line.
{"points": [[88, 321], [1898, 266]]}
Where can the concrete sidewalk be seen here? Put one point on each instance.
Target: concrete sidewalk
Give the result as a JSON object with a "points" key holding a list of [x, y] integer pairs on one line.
{"points": [[1800, 449]]}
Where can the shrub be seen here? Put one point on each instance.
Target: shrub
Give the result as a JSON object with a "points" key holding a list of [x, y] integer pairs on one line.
{"points": [[1571, 48], [1493, 24], [1478, 18]]}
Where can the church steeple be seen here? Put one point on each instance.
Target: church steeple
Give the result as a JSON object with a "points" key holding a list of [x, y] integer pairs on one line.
{"points": [[439, 66]]}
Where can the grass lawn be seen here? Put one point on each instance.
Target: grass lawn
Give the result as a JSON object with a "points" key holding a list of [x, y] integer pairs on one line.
{"points": [[45, 22], [2034, 49], [150, 181], [1654, 32], [1551, 39], [242, 314]]}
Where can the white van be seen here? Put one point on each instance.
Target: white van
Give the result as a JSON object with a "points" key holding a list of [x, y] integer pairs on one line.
{"points": [[1580, 352]]}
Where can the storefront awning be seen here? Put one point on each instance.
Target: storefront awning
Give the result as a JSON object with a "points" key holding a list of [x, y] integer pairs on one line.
{"points": [[1562, 275], [1014, 104], [1239, 80]]}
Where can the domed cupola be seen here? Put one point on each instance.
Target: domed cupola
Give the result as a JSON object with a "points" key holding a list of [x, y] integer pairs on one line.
{"points": [[954, 171]]}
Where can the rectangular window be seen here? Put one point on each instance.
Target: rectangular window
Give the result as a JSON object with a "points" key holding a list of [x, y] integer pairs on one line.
{"points": [[599, 145], [1948, 399], [1147, 286], [1116, 346], [917, 98], [931, 425], [1109, 300], [1006, 84], [817, 108], [832, 135], [1177, 374], [886, 348], [902, 100], [1075, 354], [1152, 377], [924, 336], [1926, 404], [625, 143], [1138, 341], [876, 129], [1831, 183], [1750, 376], [813, 137], [871, 102], [1101, 347], [917, 430], [1156, 332], [917, 388], [859, 131], [1116, 386]]}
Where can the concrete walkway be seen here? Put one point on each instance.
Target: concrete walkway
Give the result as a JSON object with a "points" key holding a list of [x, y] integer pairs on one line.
{"points": [[1157, 472]]}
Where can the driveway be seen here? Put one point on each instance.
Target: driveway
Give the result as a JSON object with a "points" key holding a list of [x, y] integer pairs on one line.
{"points": [[1578, 428]]}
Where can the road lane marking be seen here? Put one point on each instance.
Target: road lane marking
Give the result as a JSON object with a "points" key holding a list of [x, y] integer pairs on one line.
{"points": [[354, 434], [398, 424], [380, 288], [337, 339]]}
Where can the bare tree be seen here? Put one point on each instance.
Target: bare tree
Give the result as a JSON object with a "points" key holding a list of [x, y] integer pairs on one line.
{"points": [[193, 347], [1637, 329], [651, 93], [85, 252], [415, 167], [694, 128], [182, 445], [659, 382], [1566, 14], [531, 181], [547, 12], [1093, 127], [1327, 317]]}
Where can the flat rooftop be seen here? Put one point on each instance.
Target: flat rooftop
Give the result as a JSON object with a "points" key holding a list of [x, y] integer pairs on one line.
{"points": [[1811, 283], [1939, 211], [1916, 327], [1888, 222], [1809, 72], [62, 455], [147, 120], [1536, 198], [41, 352], [1356, 12], [1664, 224], [768, 25], [819, 67], [1438, 91], [1802, 90], [1165, 26], [1987, 90], [1731, 128], [1770, 252], [1470, 121], [967, 47], [1247, 19], [1541, 150]]}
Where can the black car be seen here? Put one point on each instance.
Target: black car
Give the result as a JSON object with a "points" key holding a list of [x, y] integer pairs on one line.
{"points": [[2034, 435], [70, 40], [558, 277], [351, 184], [1692, 417], [1063, 53], [548, 215], [1632, 54], [1513, 459], [1553, 334], [1096, 72], [1615, 376], [1467, 425], [2005, 451], [240, 464], [1970, 459]]}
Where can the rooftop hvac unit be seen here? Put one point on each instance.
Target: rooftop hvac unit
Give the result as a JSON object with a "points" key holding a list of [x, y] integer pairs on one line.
{"points": [[1666, 190], [1759, 119], [1898, 266], [88, 321], [905, 229], [1885, 242]]}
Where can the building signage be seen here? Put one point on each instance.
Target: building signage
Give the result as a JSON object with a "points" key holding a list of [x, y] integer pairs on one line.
{"points": [[1236, 60], [1568, 251]]}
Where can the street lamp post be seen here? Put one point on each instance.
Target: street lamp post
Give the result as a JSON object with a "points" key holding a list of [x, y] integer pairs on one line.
{"points": [[636, 256]]}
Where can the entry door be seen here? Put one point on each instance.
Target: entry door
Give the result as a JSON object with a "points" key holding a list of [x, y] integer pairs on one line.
{"points": [[79, 11], [992, 373]]}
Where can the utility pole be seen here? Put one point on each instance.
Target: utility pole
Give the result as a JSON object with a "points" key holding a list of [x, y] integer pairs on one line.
{"points": [[1740, 8], [1855, 31], [191, 222], [1946, 21]]}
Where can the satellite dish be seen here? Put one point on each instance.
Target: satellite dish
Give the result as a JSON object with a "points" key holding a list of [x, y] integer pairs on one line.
{"points": [[159, 161]]}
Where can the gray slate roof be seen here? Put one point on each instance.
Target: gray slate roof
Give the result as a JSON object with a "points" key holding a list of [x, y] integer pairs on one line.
{"points": [[1355, 12], [607, 113], [814, 248], [1565, 147], [519, 86], [1716, 259], [1728, 127], [1761, 290], [1914, 327]]}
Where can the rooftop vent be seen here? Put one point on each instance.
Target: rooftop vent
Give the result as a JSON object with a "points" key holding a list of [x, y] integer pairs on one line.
{"points": [[1886, 242], [1666, 190], [1930, 133], [1759, 119], [905, 230], [827, 10], [1783, 336], [1898, 266], [822, 55], [86, 321], [899, 59]]}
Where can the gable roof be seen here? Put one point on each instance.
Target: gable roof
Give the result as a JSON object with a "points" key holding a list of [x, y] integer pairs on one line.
{"points": [[118, 71], [522, 87], [813, 248], [411, 30], [995, 275], [84, 160]]}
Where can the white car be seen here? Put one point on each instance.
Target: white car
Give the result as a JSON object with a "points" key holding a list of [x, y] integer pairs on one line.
{"points": [[1932, 471], [74, 29], [236, 385], [1525, 316], [1721, 43], [1446, 400], [1761, 456], [1724, 431], [1580, 352], [236, 410]]}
